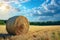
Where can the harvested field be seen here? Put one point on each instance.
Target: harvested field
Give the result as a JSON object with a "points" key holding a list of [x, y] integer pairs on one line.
{"points": [[34, 33]]}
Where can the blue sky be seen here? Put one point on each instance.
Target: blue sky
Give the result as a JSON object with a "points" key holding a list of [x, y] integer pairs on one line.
{"points": [[34, 10]]}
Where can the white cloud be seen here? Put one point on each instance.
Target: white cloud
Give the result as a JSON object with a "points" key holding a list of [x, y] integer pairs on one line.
{"points": [[50, 7], [39, 12], [45, 7], [6, 10], [17, 1], [30, 12], [53, 3], [22, 1]]}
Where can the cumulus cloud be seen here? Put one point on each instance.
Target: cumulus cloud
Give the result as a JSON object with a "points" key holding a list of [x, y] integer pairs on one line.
{"points": [[46, 11], [49, 10], [6, 10], [12, 10], [17, 1]]}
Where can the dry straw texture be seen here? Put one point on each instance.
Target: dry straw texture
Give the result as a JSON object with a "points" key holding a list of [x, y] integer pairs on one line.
{"points": [[35, 33], [17, 25]]}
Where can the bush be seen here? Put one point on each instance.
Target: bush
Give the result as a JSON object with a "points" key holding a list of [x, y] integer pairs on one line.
{"points": [[2, 22]]}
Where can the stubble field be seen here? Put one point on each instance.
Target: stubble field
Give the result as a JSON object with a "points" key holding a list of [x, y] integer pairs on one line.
{"points": [[34, 33]]}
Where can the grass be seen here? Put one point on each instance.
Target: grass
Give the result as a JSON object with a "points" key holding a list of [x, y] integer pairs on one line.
{"points": [[34, 33]]}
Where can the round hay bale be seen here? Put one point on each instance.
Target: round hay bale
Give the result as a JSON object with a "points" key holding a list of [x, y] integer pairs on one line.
{"points": [[17, 25]]}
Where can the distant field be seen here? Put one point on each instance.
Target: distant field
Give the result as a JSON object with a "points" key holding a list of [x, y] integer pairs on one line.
{"points": [[3, 29], [35, 33]]}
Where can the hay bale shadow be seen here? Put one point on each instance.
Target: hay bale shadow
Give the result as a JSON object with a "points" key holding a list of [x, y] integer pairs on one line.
{"points": [[4, 36]]}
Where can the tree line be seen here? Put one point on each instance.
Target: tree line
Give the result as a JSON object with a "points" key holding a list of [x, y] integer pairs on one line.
{"points": [[46, 23], [3, 22]]}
